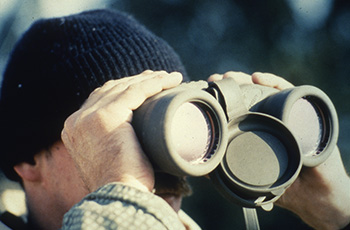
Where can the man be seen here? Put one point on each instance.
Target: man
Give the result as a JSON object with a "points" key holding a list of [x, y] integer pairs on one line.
{"points": [[48, 82]]}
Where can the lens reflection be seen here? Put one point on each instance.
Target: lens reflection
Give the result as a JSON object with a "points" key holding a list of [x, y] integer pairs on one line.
{"points": [[306, 123], [191, 132]]}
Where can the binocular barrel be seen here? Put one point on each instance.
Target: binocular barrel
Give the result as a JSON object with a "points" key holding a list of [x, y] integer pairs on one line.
{"points": [[252, 140], [182, 130]]}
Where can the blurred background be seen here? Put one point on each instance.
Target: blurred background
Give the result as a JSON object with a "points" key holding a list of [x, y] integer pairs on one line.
{"points": [[305, 41]]}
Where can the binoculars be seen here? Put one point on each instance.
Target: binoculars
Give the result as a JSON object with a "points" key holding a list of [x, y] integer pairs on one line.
{"points": [[251, 140]]}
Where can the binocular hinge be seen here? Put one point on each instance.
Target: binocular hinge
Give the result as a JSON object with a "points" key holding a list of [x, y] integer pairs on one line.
{"points": [[228, 93]]}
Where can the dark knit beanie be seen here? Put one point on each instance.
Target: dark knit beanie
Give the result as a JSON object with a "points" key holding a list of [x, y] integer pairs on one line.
{"points": [[56, 65]]}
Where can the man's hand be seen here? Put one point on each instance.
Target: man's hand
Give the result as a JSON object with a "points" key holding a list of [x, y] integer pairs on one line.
{"points": [[265, 79], [320, 196], [100, 138]]}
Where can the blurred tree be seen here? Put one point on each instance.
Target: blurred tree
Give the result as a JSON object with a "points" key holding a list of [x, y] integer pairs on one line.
{"points": [[217, 36]]}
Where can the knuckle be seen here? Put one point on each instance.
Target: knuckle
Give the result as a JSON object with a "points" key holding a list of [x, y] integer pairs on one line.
{"points": [[161, 73], [121, 86], [109, 82], [159, 77], [95, 91], [148, 71], [97, 119], [132, 88]]}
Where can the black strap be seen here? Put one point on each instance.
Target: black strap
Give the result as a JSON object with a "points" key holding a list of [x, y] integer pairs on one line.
{"points": [[12, 221]]}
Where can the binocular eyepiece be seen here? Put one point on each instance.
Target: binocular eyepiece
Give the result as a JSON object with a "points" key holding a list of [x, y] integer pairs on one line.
{"points": [[251, 140]]}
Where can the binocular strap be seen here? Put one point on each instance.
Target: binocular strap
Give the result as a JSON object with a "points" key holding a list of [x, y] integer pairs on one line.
{"points": [[251, 219]]}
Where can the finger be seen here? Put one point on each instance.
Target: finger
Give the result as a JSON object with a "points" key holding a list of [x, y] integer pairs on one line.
{"points": [[123, 81], [119, 105], [271, 80], [215, 77], [135, 94], [118, 85], [240, 77]]}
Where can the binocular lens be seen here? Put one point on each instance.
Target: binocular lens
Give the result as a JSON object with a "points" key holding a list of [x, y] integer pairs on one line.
{"points": [[307, 123], [192, 132], [182, 130], [311, 117]]}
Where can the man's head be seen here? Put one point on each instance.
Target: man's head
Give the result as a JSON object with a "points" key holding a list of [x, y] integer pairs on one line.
{"points": [[53, 68]]}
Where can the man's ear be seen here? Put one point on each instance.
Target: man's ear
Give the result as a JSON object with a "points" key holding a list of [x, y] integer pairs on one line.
{"points": [[28, 172]]}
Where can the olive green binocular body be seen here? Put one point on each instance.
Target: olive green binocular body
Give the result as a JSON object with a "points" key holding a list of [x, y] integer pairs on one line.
{"points": [[251, 140]]}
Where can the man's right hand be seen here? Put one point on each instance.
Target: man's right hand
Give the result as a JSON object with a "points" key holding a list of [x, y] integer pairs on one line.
{"points": [[100, 137]]}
